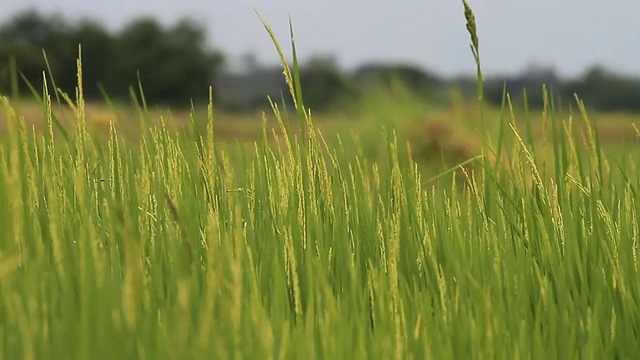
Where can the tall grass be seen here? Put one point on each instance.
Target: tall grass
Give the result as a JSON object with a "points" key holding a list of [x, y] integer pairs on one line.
{"points": [[176, 247]]}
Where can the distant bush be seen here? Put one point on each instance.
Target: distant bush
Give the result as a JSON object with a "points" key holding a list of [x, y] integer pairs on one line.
{"points": [[604, 90], [325, 86], [174, 63], [600, 88]]}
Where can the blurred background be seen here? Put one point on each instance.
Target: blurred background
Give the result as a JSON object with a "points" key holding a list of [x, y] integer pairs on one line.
{"points": [[177, 49], [365, 64]]}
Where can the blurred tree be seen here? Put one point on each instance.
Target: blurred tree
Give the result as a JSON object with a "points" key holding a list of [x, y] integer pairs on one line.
{"points": [[324, 86], [25, 37], [98, 59], [175, 64], [529, 82], [411, 77], [605, 91]]}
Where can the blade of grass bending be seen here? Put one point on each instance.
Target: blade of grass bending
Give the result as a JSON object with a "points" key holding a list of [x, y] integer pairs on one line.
{"points": [[195, 130], [452, 169], [32, 89], [51, 77], [559, 147], [141, 92], [300, 109], [39, 99], [627, 179], [13, 75], [210, 118], [528, 122], [143, 111], [475, 50], [288, 78], [598, 153], [109, 101], [139, 109], [285, 114], [501, 128]]}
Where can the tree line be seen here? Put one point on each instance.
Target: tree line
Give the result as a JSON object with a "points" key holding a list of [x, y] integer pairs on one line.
{"points": [[175, 65], [598, 87]]}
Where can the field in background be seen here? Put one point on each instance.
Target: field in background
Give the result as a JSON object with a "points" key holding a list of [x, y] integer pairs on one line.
{"points": [[439, 135]]}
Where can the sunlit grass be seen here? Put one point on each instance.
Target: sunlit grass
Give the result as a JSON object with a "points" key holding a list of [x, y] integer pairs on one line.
{"points": [[177, 246]]}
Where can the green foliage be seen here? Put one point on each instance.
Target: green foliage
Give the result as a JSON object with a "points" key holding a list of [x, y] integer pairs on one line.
{"points": [[24, 38], [180, 247], [391, 76], [174, 64], [602, 89], [325, 87], [606, 91], [100, 56]]}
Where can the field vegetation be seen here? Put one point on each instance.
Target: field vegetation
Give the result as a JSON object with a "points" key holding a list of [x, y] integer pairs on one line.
{"points": [[398, 230]]}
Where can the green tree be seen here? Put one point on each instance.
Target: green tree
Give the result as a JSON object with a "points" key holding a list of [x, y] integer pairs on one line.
{"points": [[605, 90], [98, 58], [411, 77], [174, 65], [324, 86], [25, 37]]}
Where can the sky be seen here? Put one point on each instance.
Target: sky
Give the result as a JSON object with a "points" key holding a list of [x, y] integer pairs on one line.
{"points": [[568, 35]]}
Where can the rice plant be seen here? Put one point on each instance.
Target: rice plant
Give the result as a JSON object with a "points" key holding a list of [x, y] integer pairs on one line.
{"points": [[177, 246]]}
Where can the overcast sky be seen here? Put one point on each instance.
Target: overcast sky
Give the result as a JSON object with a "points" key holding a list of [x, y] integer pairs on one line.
{"points": [[570, 35]]}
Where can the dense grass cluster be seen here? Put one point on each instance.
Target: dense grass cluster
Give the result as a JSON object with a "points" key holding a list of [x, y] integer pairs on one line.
{"points": [[179, 247]]}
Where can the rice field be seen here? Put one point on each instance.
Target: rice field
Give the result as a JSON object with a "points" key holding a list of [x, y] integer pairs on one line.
{"points": [[298, 246]]}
